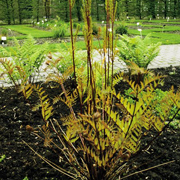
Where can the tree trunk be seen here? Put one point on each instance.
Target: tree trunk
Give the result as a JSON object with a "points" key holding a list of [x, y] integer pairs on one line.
{"points": [[47, 5], [97, 10], [19, 12], [66, 8], [78, 8], [152, 8], [8, 16], [165, 8], [175, 9], [12, 7], [127, 7], [178, 8], [138, 5], [37, 13]]}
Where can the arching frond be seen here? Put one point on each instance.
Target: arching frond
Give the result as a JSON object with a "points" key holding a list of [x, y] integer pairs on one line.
{"points": [[46, 108]]}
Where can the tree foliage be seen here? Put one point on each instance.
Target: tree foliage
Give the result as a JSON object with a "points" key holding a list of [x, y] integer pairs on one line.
{"points": [[18, 11]]}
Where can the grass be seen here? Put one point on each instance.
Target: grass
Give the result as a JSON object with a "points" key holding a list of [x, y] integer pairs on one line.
{"points": [[168, 34], [36, 33], [27, 29], [165, 35], [159, 36], [171, 21]]}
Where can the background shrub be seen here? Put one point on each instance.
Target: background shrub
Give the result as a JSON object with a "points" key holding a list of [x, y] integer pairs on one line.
{"points": [[121, 29], [60, 30], [94, 29], [4, 32]]}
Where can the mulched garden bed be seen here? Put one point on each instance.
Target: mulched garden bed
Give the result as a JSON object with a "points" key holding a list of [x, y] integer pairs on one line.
{"points": [[20, 161]]}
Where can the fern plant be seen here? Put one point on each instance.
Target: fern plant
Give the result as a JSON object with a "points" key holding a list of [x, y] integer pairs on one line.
{"points": [[98, 141], [25, 64], [137, 50]]}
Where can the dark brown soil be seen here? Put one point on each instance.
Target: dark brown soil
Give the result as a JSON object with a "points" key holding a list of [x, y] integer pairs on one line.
{"points": [[20, 161]]}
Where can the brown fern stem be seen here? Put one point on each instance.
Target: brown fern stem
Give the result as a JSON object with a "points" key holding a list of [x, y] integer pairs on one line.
{"points": [[112, 50], [72, 39], [107, 35]]}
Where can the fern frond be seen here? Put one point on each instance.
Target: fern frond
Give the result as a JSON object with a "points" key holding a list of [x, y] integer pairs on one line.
{"points": [[117, 79], [175, 97], [36, 107], [9, 70], [46, 108], [23, 75], [69, 100], [58, 77], [133, 140], [150, 82], [26, 89]]}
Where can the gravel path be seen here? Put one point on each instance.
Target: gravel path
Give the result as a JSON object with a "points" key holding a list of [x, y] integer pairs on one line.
{"points": [[169, 55]]}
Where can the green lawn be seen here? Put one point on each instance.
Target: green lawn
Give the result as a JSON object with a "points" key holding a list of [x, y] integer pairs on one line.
{"points": [[168, 34], [159, 33], [27, 29]]}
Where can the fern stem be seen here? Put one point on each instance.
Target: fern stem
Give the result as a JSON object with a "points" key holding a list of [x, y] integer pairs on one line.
{"points": [[54, 166], [159, 165], [107, 35], [112, 50], [132, 114], [72, 39], [88, 33]]}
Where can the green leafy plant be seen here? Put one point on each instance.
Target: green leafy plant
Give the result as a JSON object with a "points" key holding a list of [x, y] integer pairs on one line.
{"points": [[4, 32], [26, 178], [159, 100], [60, 28], [94, 29], [2, 158], [137, 50], [60, 31], [122, 29], [25, 64], [75, 25], [65, 60], [175, 124]]}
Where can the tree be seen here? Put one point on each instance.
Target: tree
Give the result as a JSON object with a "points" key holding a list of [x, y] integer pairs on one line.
{"points": [[6, 13], [139, 8], [152, 6], [122, 9], [178, 7], [127, 7], [78, 9], [165, 7], [61, 9], [36, 9], [19, 11], [47, 7], [175, 8], [12, 5]]}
